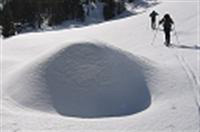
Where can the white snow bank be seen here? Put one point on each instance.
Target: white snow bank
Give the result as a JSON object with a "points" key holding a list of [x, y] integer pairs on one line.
{"points": [[83, 80]]}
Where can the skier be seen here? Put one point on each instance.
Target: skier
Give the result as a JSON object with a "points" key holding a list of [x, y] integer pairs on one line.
{"points": [[153, 19], [167, 25]]}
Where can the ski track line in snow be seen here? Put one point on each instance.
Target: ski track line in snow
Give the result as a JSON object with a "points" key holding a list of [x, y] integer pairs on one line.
{"points": [[193, 78]]}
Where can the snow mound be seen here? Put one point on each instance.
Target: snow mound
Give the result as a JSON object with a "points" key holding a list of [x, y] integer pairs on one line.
{"points": [[84, 80]]}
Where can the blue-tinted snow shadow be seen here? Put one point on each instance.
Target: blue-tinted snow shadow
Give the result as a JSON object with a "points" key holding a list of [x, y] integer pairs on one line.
{"points": [[90, 81]]}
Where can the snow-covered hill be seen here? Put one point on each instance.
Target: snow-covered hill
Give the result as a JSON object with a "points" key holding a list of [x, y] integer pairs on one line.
{"points": [[105, 77]]}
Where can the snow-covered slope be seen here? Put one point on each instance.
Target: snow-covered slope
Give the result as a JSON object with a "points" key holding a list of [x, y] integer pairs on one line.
{"points": [[68, 79]]}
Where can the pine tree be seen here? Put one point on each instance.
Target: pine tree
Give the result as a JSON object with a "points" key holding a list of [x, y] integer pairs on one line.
{"points": [[33, 12], [109, 9], [7, 22]]}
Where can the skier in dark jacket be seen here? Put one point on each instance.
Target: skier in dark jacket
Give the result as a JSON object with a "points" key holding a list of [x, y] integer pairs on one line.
{"points": [[167, 25], [153, 19]]}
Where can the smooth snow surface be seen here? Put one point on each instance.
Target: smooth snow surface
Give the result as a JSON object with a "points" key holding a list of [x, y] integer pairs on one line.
{"points": [[87, 80], [106, 77], [83, 80]]}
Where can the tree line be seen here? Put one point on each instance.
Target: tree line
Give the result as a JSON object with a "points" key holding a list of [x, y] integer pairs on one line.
{"points": [[32, 13]]}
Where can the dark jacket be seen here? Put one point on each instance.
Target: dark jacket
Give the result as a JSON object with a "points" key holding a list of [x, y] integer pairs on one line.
{"points": [[153, 16], [167, 22]]}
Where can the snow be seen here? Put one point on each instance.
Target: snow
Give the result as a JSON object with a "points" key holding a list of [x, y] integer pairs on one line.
{"points": [[92, 81], [105, 77]]}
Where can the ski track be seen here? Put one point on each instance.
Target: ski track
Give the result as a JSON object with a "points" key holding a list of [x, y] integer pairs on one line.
{"points": [[193, 78]]}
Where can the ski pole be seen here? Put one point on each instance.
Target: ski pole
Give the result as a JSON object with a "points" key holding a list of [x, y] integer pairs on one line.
{"points": [[154, 38], [176, 35]]}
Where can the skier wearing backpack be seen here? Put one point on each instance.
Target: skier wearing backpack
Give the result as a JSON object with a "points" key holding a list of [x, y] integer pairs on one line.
{"points": [[153, 19], [167, 25]]}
